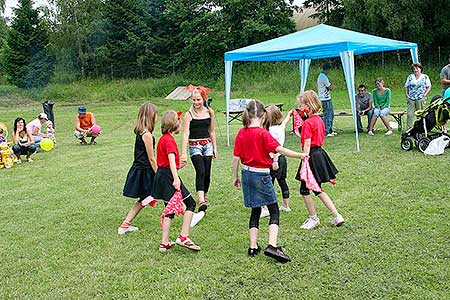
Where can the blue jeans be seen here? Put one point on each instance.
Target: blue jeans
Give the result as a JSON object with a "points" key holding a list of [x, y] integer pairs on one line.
{"points": [[369, 115], [328, 115]]}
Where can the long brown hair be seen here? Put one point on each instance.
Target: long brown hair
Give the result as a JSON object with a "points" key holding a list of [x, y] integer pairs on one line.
{"points": [[146, 118], [255, 109], [274, 116]]}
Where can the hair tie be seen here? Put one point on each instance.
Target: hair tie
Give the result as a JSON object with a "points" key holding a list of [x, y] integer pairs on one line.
{"points": [[202, 90]]}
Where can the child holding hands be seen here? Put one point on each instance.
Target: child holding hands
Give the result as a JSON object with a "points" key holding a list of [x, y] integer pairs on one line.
{"points": [[317, 161], [167, 182], [140, 177], [252, 148]]}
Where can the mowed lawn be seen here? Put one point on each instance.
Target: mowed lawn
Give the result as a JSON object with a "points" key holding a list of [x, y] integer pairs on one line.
{"points": [[60, 213]]}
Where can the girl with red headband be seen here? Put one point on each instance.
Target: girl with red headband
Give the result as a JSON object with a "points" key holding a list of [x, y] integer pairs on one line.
{"points": [[199, 133]]}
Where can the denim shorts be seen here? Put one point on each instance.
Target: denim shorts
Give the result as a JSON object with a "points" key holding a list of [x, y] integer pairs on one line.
{"points": [[258, 189], [205, 150], [381, 112]]}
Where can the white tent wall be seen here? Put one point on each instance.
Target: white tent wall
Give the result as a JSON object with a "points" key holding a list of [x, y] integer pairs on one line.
{"points": [[348, 64], [228, 73], [303, 65]]}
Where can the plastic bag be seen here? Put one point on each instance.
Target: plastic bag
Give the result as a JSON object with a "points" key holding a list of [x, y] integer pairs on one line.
{"points": [[437, 146]]}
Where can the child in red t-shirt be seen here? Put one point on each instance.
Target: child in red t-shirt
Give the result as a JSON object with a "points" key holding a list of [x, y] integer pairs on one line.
{"points": [[321, 166], [167, 182], [252, 148]]}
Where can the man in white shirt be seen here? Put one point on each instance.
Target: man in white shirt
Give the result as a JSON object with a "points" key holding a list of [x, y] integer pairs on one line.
{"points": [[324, 88]]}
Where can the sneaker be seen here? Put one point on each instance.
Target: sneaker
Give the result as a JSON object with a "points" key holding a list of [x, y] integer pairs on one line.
{"points": [[29, 159], [310, 223], [185, 241], [203, 205], [123, 230], [277, 253], [264, 212], [197, 218], [334, 133], [165, 247], [370, 132], [252, 252], [338, 220], [389, 132], [19, 161], [330, 134], [286, 209]]}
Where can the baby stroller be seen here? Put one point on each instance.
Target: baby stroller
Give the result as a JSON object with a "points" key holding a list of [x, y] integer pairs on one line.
{"points": [[6, 153], [432, 117]]}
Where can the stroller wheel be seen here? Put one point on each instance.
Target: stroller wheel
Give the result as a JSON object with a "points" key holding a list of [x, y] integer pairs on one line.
{"points": [[423, 143], [406, 144]]}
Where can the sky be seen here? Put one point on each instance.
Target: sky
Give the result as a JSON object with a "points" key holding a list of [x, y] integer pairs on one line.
{"points": [[13, 3]]}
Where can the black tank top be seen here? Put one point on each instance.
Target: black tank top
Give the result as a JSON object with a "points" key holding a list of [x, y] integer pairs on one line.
{"points": [[199, 128], [140, 154]]}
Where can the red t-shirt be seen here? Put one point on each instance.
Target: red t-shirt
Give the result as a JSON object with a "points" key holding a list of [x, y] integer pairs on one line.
{"points": [[253, 145], [166, 145], [313, 129]]}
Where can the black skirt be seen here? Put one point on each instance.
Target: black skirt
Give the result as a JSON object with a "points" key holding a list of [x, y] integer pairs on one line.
{"points": [[163, 188], [281, 173], [139, 183], [321, 165]]}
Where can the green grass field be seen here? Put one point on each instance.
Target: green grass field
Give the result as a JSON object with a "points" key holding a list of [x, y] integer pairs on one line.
{"points": [[59, 218]]}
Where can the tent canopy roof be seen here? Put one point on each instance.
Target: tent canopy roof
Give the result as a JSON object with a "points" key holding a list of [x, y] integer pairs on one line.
{"points": [[320, 41]]}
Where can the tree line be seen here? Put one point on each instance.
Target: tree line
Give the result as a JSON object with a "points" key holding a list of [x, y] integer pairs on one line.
{"points": [[152, 38]]}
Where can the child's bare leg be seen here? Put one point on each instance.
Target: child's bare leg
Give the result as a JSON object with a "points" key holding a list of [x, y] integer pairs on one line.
{"points": [[328, 202], [309, 205], [285, 203], [187, 218], [201, 196], [273, 234], [253, 232], [134, 210], [167, 222]]}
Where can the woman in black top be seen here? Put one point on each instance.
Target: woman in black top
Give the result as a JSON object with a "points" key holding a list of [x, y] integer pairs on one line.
{"points": [[199, 133]]}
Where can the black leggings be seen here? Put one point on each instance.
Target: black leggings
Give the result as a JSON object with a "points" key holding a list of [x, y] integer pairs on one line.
{"points": [[256, 213], [305, 191], [283, 186], [190, 205], [202, 166]]}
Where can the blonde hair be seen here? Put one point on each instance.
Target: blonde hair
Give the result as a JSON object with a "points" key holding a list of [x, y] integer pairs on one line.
{"points": [[204, 97], [274, 116], [146, 118], [255, 109], [169, 122], [310, 99]]}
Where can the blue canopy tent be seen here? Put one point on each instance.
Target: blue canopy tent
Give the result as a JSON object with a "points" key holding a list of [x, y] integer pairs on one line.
{"points": [[321, 41]]}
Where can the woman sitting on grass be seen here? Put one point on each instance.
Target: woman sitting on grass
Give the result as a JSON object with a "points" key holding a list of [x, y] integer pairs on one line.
{"points": [[23, 140]]}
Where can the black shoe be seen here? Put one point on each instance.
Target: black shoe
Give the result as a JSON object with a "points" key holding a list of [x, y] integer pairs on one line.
{"points": [[252, 252], [277, 253]]}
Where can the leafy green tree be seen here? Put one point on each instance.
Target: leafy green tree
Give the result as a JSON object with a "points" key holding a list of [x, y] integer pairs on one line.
{"points": [[26, 59], [330, 12]]}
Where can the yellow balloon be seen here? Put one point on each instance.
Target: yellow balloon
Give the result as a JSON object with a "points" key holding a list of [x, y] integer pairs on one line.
{"points": [[47, 144]]}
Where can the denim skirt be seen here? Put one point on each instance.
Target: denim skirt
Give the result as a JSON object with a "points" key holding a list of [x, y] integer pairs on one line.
{"points": [[258, 189]]}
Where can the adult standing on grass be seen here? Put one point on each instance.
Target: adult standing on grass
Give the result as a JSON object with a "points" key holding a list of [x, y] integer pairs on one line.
{"points": [[84, 122], [140, 177], [445, 76], [417, 88], [324, 88], [364, 106], [199, 133], [382, 103], [35, 128], [23, 140]]}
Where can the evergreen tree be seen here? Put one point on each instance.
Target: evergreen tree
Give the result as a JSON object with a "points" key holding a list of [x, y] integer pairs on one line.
{"points": [[27, 61]]}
